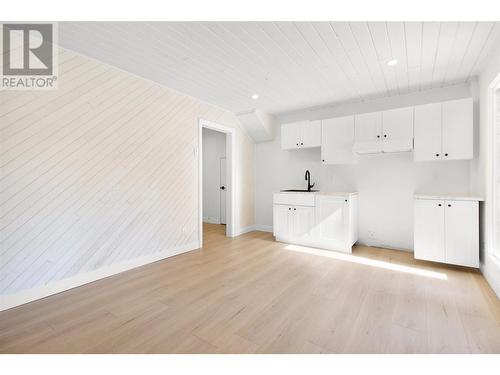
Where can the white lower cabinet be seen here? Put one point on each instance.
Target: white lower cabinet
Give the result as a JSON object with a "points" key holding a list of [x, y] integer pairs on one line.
{"points": [[331, 216], [293, 222], [447, 231], [281, 220], [429, 230], [328, 221], [303, 222], [462, 233]]}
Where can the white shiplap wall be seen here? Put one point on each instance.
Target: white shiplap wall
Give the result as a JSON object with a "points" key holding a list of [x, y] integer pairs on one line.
{"points": [[101, 172]]}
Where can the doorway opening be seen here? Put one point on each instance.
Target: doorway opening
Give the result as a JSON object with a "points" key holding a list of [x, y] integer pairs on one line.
{"points": [[216, 179]]}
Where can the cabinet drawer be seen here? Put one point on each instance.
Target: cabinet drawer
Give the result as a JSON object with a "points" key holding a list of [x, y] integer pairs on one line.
{"points": [[294, 199]]}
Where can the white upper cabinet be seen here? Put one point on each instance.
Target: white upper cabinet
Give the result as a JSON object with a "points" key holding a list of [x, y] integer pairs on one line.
{"points": [[290, 136], [310, 134], [458, 129], [444, 131], [337, 139], [428, 132], [368, 133], [301, 134], [397, 129], [437, 131], [387, 131]]}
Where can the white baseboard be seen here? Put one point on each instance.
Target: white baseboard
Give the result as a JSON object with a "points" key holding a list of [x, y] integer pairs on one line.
{"points": [[264, 228], [13, 300], [491, 272], [251, 228], [211, 220], [244, 230]]}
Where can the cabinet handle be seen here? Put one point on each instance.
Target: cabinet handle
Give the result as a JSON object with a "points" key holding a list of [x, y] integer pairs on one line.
{"points": [[445, 154], [378, 136], [449, 205], [289, 208], [345, 200], [323, 160], [439, 204], [301, 144], [297, 144], [437, 154], [295, 209], [385, 135]]}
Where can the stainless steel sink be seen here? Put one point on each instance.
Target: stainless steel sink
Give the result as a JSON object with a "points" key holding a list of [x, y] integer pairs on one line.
{"points": [[298, 191]]}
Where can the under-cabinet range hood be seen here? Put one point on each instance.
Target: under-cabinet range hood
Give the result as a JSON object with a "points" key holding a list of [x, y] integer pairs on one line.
{"points": [[379, 147]]}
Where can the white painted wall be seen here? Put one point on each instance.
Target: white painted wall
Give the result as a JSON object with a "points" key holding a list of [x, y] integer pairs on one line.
{"points": [[490, 267], [101, 176], [214, 148], [386, 183]]}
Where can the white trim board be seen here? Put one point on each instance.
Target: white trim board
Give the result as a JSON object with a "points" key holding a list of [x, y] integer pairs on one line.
{"points": [[13, 300], [244, 230], [490, 266], [264, 228], [378, 104], [210, 220], [490, 271]]}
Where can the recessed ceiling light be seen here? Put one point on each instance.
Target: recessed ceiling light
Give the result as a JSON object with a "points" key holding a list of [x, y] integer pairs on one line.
{"points": [[255, 96], [392, 62]]}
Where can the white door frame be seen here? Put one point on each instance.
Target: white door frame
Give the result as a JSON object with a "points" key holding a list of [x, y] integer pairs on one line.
{"points": [[490, 172], [230, 177], [222, 192]]}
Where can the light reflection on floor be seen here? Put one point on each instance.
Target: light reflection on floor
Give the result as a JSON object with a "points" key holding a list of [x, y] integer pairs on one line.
{"points": [[367, 261]]}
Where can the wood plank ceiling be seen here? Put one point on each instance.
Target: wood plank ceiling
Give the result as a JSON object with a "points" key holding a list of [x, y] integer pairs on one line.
{"points": [[290, 65]]}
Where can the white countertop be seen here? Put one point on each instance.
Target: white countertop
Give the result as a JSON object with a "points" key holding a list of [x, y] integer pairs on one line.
{"points": [[451, 197], [333, 193]]}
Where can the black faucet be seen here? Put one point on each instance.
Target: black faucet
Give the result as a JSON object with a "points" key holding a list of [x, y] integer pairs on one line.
{"points": [[308, 178]]}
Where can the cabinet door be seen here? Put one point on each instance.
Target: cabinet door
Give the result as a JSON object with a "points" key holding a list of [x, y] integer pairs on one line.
{"points": [[290, 136], [368, 127], [427, 139], [337, 139], [458, 129], [368, 133], [310, 134], [331, 219], [281, 220], [303, 222], [397, 129], [462, 233], [429, 233]]}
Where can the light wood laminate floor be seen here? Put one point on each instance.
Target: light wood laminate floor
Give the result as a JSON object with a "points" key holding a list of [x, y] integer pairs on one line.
{"points": [[251, 294]]}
